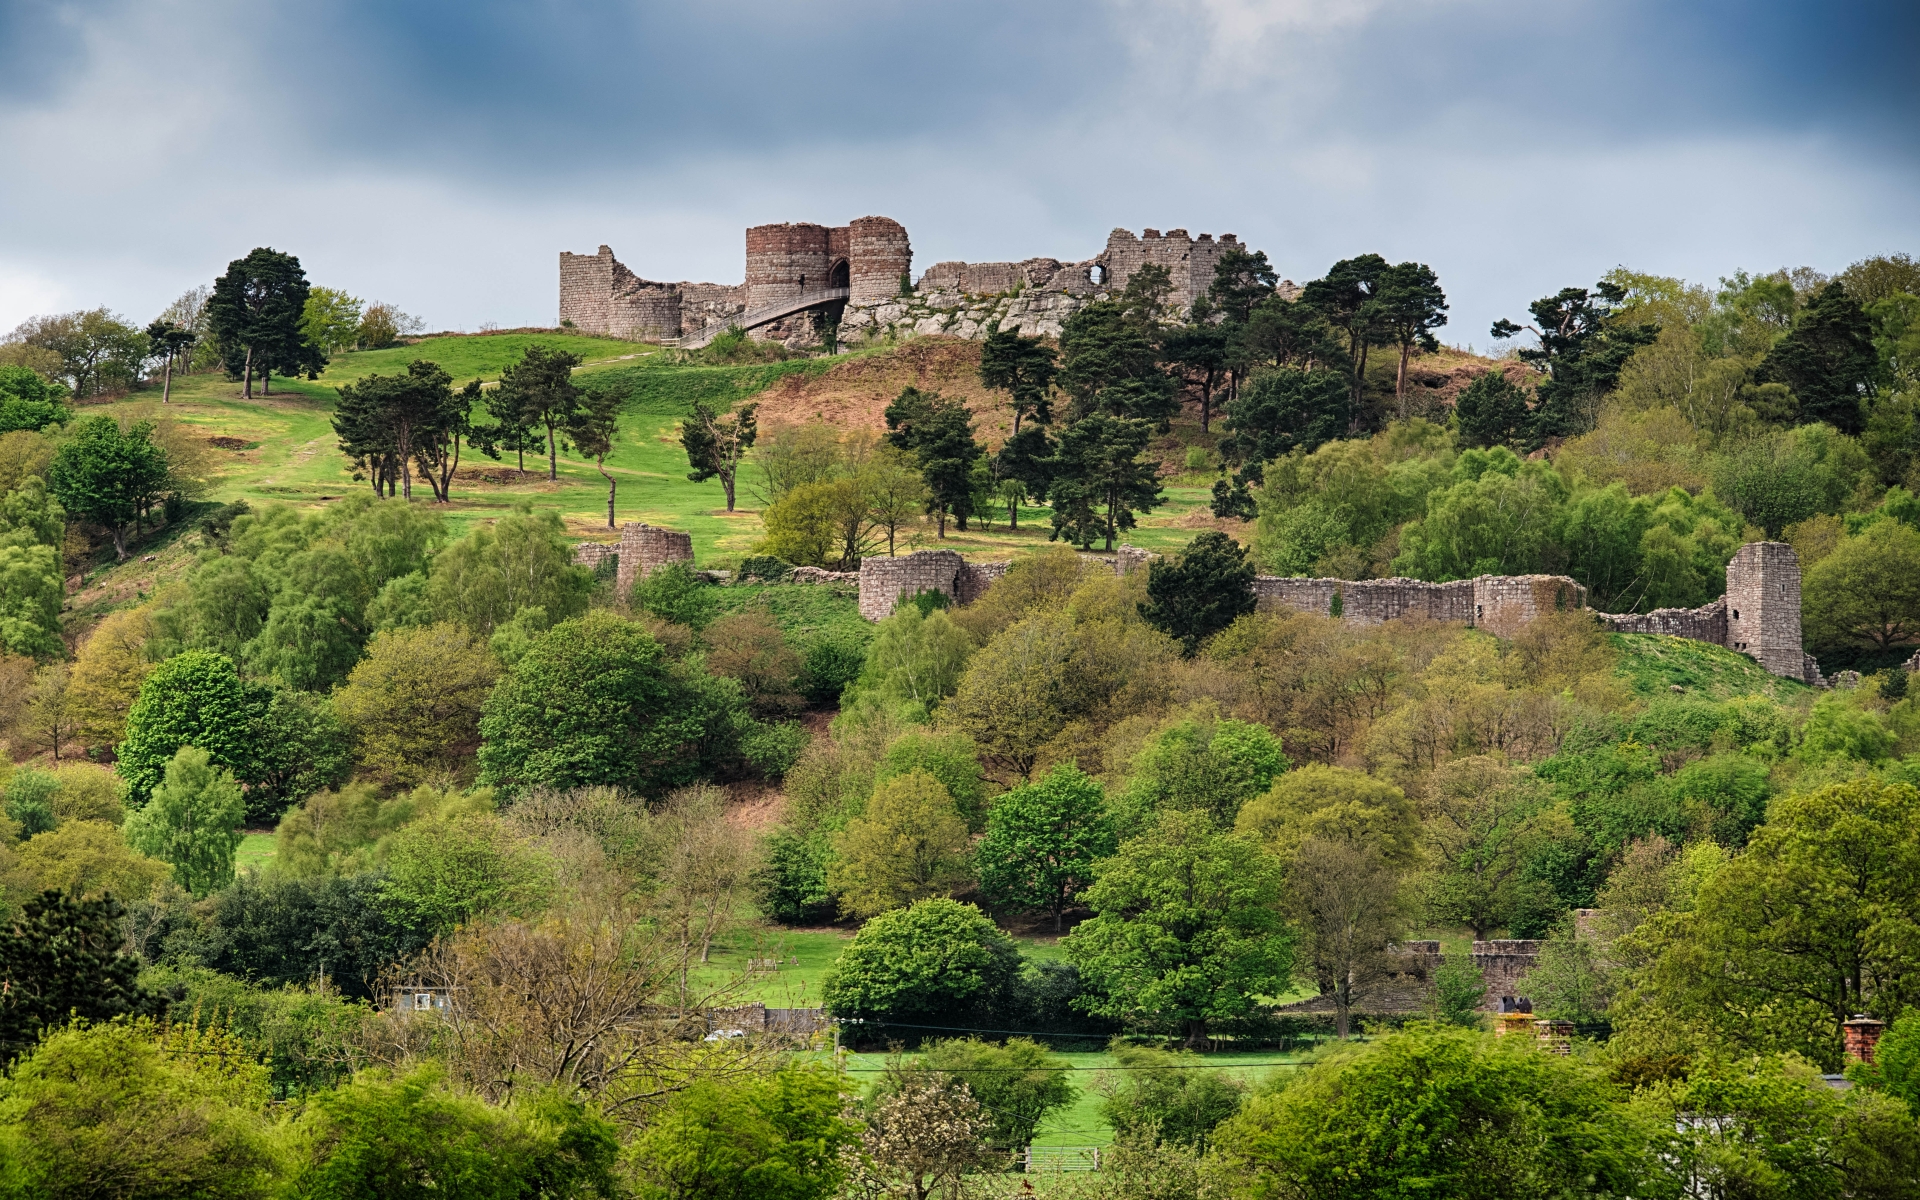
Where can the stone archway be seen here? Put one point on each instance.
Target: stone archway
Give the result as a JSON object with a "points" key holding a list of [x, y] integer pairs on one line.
{"points": [[837, 274]]}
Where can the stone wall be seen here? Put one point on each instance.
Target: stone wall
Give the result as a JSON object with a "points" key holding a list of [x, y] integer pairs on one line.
{"points": [[1763, 607], [1708, 623], [1499, 604], [643, 549], [1504, 604], [885, 581], [599, 294], [1503, 963], [878, 256], [1188, 261], [591, 554]]}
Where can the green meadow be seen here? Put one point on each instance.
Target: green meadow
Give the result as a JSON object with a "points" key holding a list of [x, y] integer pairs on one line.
{"points": [[281, 446]]}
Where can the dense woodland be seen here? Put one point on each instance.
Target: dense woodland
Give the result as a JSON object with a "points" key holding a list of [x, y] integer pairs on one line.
{"points": [[1090, 809]]}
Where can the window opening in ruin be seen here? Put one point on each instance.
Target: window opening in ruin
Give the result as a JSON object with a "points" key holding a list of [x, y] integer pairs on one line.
{"points": [[1736, 614], [1096, 274]]}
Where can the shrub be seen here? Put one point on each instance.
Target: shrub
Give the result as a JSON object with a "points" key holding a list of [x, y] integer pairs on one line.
{"points": [[937, 963]]}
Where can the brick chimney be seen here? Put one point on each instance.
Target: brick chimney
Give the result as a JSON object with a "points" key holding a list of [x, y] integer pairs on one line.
{"points": [[1863, 1033]]}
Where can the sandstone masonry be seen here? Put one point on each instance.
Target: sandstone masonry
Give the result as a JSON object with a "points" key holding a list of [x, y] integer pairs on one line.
{"points": [[872, 258], [1759, 615]]}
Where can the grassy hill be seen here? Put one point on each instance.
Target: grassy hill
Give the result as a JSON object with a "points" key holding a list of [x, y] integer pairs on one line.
{"points": [[1654, 664], [281, 447]]}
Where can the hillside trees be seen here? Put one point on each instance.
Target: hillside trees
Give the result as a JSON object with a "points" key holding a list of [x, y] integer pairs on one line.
{"points": [[1185, 931], [595, 700], [1022, 367], [717, 443], [193, 821], [62, 956], [385, 422], [1042, 842], [255, 316], [539, 390], [938, 432], [32, 535], [1581, 350], [1109, 366], [94, 351], [109, 475], [1348, 296], [1828, 359], [1100, 478], [167, 341], [938, 962], [1412, 306], [591, 432], [1201, 591]]}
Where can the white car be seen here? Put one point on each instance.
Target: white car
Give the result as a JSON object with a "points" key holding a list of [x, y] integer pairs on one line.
{"points": [[724, 1035]]}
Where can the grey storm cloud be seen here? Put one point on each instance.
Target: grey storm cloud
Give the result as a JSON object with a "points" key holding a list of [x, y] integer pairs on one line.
{"points": [[438, 155]]}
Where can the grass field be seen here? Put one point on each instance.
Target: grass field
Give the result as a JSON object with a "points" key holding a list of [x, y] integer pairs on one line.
{"points": [[1653, 664], [287, 453], [1081, 1123], [256, 851]]}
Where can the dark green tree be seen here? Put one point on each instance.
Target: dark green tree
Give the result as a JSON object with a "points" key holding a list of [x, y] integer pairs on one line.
{"points": [[938, 432], [274, 930], [1206, 588], [166, 341], [539, 391], [254, 316], [61, 959], [1285, 333], [594, 701], [1042, 841], [1199, 350], [1280, 411], [1025, 458], [1492, 411], [717, 443], [1582, 351], [1101, 478], [1170, 1098], [1242, 279], [384, 421], [1412, 306], [591, 431], [109, 476], [1110, 365], [1348, 296], [1828, 359], [1022, 367], [436, 452]]}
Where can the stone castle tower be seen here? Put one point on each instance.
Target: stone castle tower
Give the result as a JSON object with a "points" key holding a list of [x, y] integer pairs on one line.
{"points": [[1763, 607], [869, 257]]}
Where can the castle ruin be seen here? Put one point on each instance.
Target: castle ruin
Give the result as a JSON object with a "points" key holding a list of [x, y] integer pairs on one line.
{"points": [[858, 278], [1759, 615]]}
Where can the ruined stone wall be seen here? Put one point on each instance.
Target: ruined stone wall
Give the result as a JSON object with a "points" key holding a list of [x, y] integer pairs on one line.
{"points": [[704, 304], [1708, 623], [977, 578], [878, 254], [599, 294], [1188, 260], [785, 260], [591, 554], [586, 289], [1763, 607], [989, 279], [1504, 604], [884, 581], [644, 548], [1503, 963]]}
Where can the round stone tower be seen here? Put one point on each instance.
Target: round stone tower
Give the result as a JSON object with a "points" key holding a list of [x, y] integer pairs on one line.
{"points": [[878, 254], [786, 260]]}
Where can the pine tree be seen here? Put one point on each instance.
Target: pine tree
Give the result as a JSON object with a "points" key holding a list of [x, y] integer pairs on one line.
{"points": [[62, 958]]}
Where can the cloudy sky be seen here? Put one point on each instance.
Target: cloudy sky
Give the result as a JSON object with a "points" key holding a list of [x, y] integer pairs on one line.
{"points": [[439, 155]]}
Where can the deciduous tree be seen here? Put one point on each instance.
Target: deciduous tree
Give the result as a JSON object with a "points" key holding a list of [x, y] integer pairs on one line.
{"points": [[413, 703], [716, 443], [109, 476], [1186, 929], [193, 821], [910, 844], [1042, 842]]}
